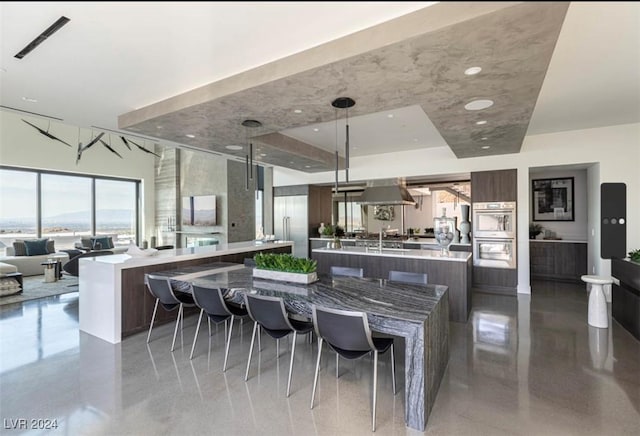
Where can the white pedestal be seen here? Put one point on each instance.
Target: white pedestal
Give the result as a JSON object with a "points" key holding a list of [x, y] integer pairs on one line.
{"points": [[598, 314]]}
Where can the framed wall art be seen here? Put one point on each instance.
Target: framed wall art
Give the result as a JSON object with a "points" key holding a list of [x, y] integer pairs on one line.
{"points": [[553, 199]]}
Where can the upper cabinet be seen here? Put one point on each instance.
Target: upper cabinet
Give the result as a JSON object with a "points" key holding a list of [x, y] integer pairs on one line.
{"points": [[498, 185]]}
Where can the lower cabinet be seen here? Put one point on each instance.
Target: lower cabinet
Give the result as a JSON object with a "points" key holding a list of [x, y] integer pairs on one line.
{"points": [[560, 261]]}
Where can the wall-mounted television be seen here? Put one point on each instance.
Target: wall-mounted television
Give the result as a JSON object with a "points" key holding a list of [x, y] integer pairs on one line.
{"points": [[199, 210]]}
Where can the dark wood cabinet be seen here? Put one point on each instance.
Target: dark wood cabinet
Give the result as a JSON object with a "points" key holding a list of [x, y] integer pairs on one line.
{"points": [[625, 303], [500, 185], [559, 261]]}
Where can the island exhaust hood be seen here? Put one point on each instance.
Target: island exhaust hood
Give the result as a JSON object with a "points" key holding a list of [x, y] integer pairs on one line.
{"points": [[382, 195]]}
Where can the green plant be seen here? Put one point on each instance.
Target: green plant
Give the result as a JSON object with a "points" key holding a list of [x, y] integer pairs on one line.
{"points": [[285, 262], [534, 230], [634, 255], [328, 230], [338, 231]]}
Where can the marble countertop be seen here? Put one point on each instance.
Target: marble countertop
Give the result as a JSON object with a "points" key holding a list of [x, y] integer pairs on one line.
{"points": [[409, 253], [124, 261], [419, 241], [377, 297]]}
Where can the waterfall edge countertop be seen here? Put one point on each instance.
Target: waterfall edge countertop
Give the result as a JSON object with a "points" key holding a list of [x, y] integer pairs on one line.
{"points": [[409, 253], [124, 261], [416, 312]]}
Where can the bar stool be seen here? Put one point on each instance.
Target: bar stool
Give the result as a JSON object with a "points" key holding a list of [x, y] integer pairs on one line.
{"points": [[598, 316]]}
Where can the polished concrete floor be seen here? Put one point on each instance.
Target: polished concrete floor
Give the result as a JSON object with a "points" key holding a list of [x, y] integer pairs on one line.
{"points": [[519, 366]]}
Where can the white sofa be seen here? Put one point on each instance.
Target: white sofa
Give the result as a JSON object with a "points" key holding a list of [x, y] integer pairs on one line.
{"points": [[31, 265]]}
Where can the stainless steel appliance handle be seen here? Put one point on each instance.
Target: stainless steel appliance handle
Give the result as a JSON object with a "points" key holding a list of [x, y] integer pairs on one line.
{"points": [[284, 228]]}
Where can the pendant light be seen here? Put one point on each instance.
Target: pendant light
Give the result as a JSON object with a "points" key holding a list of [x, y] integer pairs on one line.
{"points": [[344, 103], [249, 124]]}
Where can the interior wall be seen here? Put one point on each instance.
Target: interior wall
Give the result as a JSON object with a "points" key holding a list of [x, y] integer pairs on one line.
{"points": [[205, 174], [571, 230], [241, 214], [422, 217], [593, 217], [615, 148], [22, 146]]}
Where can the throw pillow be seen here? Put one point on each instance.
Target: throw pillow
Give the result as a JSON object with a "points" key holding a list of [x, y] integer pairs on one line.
{"points": [[51, 246], [102, 243], [36, 247], [19, 249]]}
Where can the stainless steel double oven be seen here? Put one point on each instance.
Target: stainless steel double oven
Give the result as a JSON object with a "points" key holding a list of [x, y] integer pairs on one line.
{"points": [[494, 234]]}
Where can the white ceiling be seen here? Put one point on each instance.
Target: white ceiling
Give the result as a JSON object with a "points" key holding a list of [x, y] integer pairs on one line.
{"points": [[112, 58], [397, 130]]}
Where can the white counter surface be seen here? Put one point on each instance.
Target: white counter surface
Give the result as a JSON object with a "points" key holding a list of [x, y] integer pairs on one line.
{"points": [[420, 241], [101, 288], [558, 240], [124, 261], [454, 256]]}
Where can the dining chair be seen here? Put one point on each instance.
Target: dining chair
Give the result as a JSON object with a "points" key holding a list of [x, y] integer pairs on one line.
{"points": [[211, 302], [349, 335], [408, 277], [346, 271], [269, 314], [160, 288]]}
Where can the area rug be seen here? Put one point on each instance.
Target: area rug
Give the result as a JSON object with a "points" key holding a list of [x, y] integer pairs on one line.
{"points": [[34, 287]]}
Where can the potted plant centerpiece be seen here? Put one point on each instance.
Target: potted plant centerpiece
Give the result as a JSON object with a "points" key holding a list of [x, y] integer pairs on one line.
{"points": [[327, 231], [634, 256], [285, 267], [534, 230]]}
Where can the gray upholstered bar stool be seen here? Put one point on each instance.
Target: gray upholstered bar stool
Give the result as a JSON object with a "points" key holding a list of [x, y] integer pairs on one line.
{"points": [[160, 288], [344, 271], [349, 335], [408, 277], [269, 313], [211, 302]]}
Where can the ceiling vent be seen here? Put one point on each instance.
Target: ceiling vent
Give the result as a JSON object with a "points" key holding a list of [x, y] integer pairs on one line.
{"points": [[42, 37]]}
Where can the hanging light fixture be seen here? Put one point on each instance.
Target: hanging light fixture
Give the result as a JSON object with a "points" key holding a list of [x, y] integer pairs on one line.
{"points": [[344, 103], [249, 124]]}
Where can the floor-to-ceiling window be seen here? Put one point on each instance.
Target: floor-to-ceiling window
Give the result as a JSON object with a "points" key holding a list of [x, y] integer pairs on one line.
{"points": [[64, 207], [116, 209], [18, 206]]}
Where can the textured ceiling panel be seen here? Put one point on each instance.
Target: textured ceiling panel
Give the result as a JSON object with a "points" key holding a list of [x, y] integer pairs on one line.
{"points": [[513, 45]]}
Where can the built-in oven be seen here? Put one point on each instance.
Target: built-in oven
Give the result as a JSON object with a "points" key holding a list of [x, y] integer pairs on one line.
{"points": [[494, 252], [494, 220]]}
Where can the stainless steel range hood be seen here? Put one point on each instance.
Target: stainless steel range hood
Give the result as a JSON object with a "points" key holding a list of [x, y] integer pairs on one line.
{"points": [[392, 195]]}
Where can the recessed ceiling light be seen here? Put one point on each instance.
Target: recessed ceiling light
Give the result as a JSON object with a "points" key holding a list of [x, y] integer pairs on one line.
{"points": [[263, 154], [415, 139], [390, 116], [233, 147], [477, 105], [158, 127], [484, 138], [486, 147], [307, 166], [316, 129], [29, 100], [481, 122], [472, 71], [189, 135], [298, 111]]}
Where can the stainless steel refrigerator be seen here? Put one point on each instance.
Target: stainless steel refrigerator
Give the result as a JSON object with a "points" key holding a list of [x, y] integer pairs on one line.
{"points": [[291, 222]]}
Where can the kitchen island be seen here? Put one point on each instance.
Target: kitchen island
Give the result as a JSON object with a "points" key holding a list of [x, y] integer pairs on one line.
{"points": [[114, 302], [417, 313], [452, 270]]}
